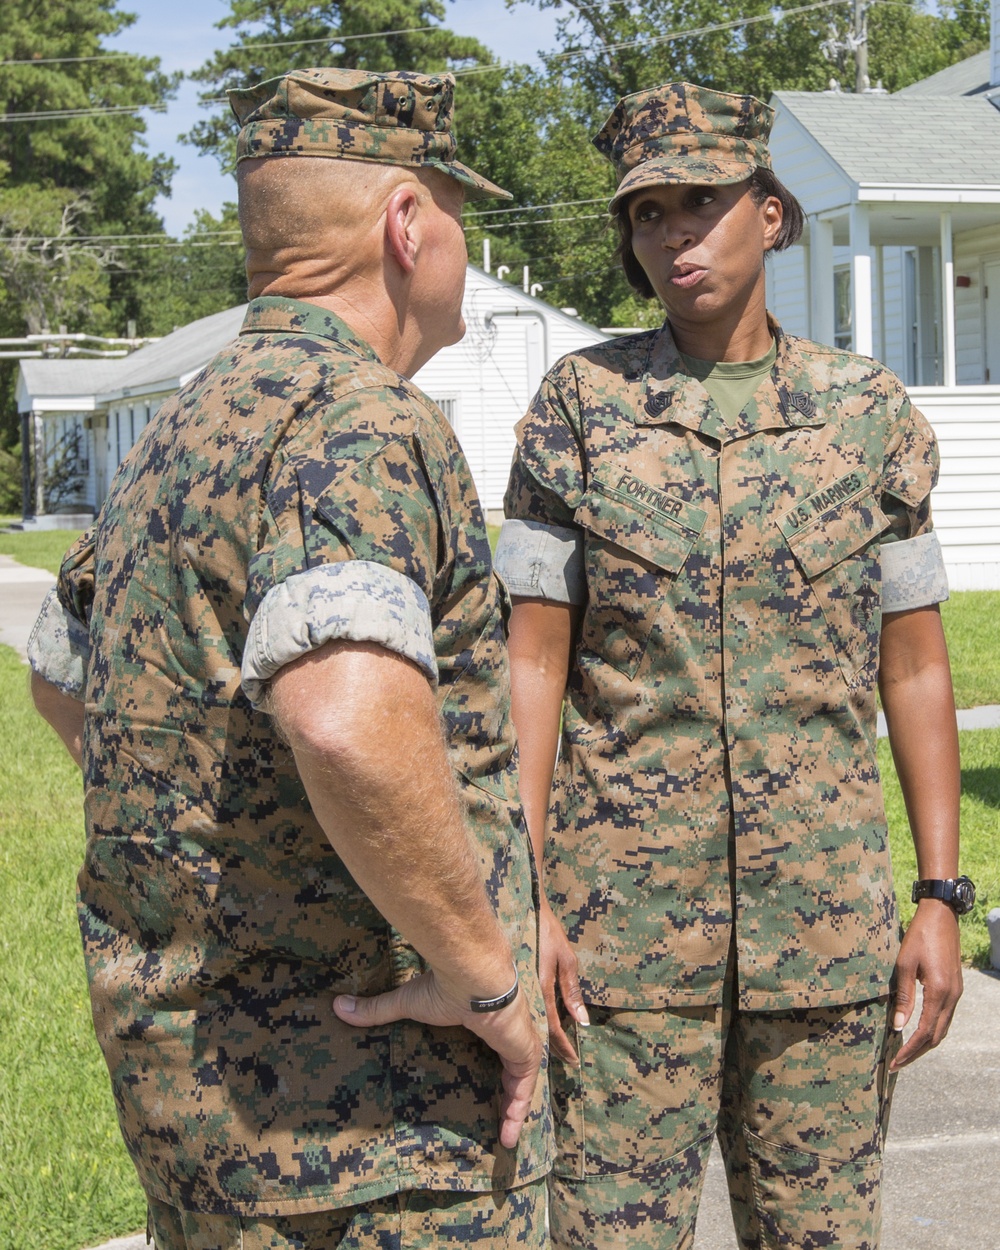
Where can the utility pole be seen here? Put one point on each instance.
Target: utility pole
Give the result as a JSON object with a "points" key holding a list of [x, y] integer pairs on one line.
{"points": [[860, 41], [854, 43]]}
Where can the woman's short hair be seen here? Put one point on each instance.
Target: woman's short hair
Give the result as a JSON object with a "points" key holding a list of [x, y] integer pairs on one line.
{"points": [[762, 184]]}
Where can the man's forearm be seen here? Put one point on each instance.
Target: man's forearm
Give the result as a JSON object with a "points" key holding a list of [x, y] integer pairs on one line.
{"points": [[63, 713], [364, 728]]}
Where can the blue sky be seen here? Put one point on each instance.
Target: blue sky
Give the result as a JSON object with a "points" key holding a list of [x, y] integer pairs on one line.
{"points": [[182, 34]]}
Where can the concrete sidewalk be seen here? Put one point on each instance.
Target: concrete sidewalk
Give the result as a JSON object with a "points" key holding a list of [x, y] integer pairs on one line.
{"points": [[942, 1181], [21, 593]]}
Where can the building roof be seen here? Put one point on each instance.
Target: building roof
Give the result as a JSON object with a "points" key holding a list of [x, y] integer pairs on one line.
{"points": [[63, 378], [886, 140], [178, 355], [968, 77], [162, 365]]}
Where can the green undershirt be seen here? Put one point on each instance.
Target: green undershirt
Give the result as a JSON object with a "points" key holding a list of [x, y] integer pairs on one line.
{"points": [[731, 384]]}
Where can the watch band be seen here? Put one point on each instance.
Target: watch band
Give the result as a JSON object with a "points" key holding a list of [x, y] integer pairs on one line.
{"points": [[958, 892], [942, 889], [483, 1005]]}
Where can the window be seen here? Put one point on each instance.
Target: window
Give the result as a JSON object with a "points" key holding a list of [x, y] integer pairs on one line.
{"points": [[449, 406]]}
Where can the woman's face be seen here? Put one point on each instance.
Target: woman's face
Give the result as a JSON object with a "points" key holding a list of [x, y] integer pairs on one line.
{"points": [[702, 248]]}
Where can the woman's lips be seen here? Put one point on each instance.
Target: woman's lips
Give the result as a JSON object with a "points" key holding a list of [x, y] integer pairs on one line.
{"points": [[686, 275]]}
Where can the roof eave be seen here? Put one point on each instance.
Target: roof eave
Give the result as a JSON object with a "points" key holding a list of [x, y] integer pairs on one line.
{"points": [[928, 193]]}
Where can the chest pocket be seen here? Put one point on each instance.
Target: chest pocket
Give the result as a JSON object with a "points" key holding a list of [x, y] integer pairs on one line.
{"points": [[838, 554], [637, 537]]}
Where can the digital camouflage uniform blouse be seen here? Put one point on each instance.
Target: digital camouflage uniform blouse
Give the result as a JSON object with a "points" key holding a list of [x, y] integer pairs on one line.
{"points": [[300, 485], [718, 759]]}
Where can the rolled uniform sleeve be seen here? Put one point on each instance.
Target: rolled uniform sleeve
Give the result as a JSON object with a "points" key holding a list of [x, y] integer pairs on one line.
{"points": [[540, 561], [59, 647], [357, 600], [913, 572], [540, 554], [349, 551], [59, 643]]}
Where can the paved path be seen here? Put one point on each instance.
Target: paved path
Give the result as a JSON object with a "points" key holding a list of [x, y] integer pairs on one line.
{"points": [[942, 1182], [21, 593]]}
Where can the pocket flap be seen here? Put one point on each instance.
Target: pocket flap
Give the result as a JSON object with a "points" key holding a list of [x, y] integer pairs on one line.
{"points": [[648, 521], [821, 537]]}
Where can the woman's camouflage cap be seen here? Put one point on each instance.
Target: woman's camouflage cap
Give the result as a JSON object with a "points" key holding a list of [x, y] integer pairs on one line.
{"points": [[394, 118], [683, 133]]}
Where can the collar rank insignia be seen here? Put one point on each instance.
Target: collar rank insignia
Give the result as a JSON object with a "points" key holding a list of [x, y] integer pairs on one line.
{"points": [[658, 402], [803, 404]]}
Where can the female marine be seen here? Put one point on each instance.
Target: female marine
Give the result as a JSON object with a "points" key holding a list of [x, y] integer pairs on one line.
{"points": [[720, 545]]}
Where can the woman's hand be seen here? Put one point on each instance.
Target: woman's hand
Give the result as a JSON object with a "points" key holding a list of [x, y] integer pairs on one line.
{"points": [[557, 967], [930, 954]]}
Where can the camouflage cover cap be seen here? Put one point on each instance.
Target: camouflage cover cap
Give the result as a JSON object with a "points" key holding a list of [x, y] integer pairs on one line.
{"points": [[395, 118], [683, 133]]}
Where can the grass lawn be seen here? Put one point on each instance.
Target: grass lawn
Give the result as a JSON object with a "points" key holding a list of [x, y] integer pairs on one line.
{"points": [[67, 1181], [970, 625], [41, 549], [980, 824]]}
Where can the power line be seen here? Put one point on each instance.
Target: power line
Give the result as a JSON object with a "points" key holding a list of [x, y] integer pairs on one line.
{"points": [[776, 15], [104, 238], [544, 221], [97, 111], [490, 212], [737, 24], [70, 60], [240, 47]]}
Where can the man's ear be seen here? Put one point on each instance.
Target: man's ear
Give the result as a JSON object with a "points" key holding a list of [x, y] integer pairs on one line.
{"points": [[401, 232]]}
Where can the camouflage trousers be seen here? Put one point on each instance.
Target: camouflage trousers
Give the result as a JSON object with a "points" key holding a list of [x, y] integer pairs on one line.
{"points": [[799, 1101], [412, 1220]]}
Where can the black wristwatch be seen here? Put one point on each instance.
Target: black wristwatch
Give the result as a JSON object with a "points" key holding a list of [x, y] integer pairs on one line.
{"points": [[958, 892]]}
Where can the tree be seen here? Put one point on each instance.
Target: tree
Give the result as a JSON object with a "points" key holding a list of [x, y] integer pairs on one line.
{"points": [[274, 36], [180, 280], [529, 130], [50, 276], [539, 145], [755, 46], [74, 172]]}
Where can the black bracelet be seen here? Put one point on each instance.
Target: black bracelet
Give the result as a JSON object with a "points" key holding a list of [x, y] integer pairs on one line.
{"points": [[483, 1005]]}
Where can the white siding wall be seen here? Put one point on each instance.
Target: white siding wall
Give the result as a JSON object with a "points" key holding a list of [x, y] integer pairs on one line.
{"points": [[808, 172], [892, 322], [126, 419], [970, 250], [788, 290], [494, 372], [59, 430], [967, 498]]}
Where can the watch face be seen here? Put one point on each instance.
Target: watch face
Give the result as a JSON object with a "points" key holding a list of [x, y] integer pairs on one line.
{"points": [[964, 897]]}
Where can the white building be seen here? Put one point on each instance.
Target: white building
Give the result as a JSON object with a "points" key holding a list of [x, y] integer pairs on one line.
{"points": [[91, 412], [901, 260], [485, 383]]}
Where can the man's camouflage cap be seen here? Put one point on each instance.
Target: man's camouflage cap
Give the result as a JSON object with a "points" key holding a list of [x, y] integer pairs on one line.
{"points": [[683, 133], [394, 118]]}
